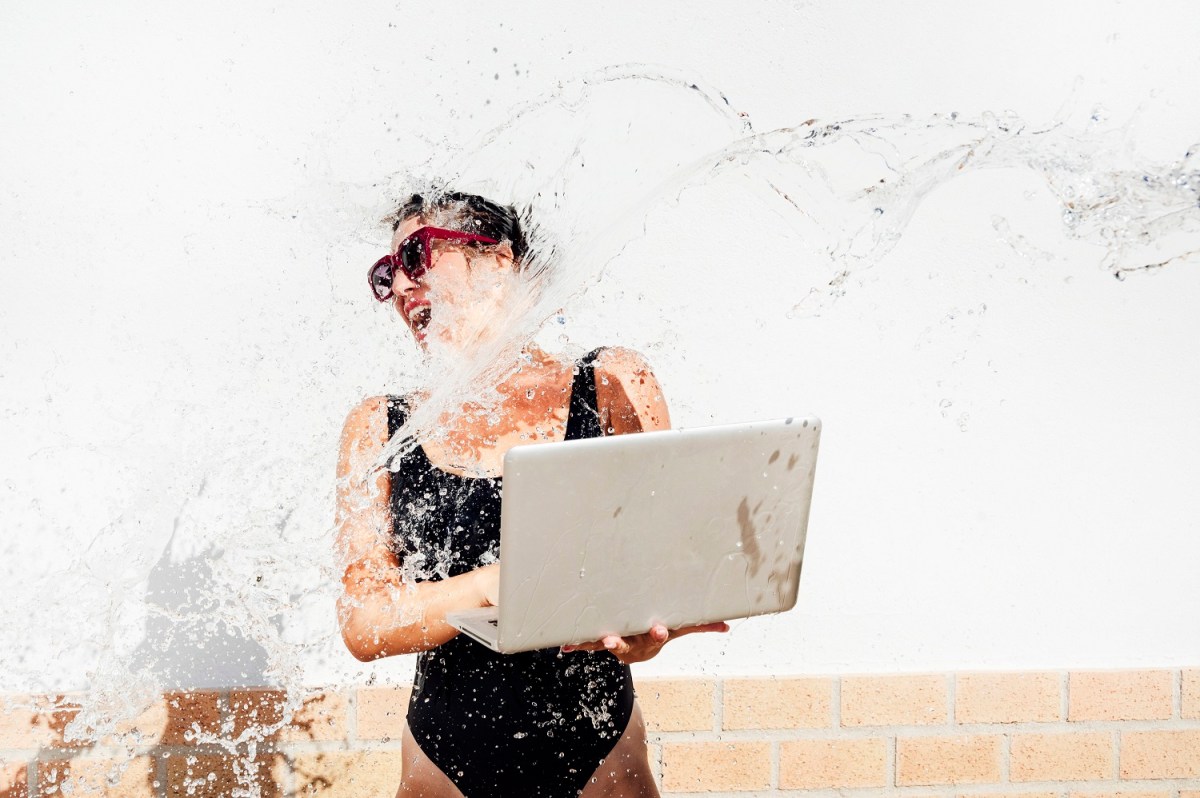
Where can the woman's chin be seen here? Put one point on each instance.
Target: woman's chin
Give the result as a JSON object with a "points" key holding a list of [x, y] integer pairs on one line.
{"points": [[457, 343], [441, 344]]}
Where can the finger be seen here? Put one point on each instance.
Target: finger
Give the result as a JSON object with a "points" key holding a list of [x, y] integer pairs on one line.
{"points": [[616, 645], [720, 626], [595, 645], [659, 634]]}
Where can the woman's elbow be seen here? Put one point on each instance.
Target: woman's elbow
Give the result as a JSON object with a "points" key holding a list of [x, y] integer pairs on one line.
{"points": [[364, 647], [368, 648], [361, 637]]}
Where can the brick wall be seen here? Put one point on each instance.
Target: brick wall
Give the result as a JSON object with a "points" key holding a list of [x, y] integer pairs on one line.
{"points": [[1105, 734]]}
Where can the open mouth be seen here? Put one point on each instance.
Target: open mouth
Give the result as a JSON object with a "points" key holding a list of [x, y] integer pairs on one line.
{"points": [[419, 318]]}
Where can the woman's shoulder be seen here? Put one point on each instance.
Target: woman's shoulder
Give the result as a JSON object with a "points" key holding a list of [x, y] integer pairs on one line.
{"points": [[618, 361], [367, 422], [369, 408], [627, 388]]}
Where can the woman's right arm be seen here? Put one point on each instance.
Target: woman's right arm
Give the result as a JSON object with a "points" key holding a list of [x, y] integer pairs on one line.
{"points": [[381, 615]]}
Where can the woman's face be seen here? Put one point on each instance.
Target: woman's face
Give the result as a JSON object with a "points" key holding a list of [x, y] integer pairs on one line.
{"points": [[459, 298]]}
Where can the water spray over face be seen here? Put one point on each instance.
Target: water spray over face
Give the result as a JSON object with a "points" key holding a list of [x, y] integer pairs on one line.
{"points": [[846, 188]]}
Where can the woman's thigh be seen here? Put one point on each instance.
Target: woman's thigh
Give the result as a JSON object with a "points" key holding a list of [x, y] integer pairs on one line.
{"points": [[625, 772], [420, 778]]}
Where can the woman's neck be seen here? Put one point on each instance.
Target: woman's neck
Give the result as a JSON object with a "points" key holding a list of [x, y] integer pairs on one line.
{"points": [[537, 370]]}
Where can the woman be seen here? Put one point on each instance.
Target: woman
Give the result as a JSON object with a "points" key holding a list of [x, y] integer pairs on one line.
{"points": [[421, 542]]}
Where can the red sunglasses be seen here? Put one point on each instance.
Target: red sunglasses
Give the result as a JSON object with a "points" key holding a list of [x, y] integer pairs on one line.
{"points": [[414, 257]]}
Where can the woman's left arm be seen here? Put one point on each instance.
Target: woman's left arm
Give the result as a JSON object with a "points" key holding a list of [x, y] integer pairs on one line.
{"points": [[630, 399]]}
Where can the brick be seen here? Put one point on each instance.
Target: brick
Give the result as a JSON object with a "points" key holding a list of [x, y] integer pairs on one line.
{"points": [[1189, 794], [21, 726], [380, 712], [960, 759], [14, 779], [36, 721], [676, 704], [147, 728], [716, 767], [1191, 695], [189, 713], [321, 717], [1160, 754], [363, 774], [1007, 698], [220, 776], [894, 700], [833, 764], [1011, 795], [1061, 756], [104, 778], [260, 710], [777, 703], [59, 711], [1121, 695]]}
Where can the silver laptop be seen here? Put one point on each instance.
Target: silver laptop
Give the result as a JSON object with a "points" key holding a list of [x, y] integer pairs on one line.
{"points": [[613, 535]]}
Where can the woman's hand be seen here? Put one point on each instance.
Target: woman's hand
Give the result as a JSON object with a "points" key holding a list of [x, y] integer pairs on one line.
{"points": [[487, 584], [639, 648]]}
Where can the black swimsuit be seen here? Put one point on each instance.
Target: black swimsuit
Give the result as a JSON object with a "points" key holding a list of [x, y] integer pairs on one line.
{"points": [[536, 723]]}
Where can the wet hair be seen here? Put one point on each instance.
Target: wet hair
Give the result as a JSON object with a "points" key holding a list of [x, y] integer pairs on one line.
{"points": [[472, 214]]}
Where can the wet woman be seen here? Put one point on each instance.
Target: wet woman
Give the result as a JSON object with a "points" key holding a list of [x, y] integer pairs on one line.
{"points": [[421, 541]]}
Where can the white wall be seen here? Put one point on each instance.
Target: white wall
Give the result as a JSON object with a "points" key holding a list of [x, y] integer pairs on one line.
{"points": [[1010, 437]]}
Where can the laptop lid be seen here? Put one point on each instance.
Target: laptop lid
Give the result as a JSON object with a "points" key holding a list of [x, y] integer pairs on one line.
{"points": [[612, 535]]}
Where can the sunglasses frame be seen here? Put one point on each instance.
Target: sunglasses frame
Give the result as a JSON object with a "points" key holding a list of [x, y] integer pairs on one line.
{"points": [[423, 236]]}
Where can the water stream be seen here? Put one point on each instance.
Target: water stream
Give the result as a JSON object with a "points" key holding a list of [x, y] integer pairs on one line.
{"points": [[237, 571]]}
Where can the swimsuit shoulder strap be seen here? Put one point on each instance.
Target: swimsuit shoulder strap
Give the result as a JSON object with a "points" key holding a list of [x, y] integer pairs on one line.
{"points": [[583, 416], [395, 414]]}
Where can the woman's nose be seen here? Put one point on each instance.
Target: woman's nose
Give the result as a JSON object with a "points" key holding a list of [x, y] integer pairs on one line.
{"points": [[401, 283]]}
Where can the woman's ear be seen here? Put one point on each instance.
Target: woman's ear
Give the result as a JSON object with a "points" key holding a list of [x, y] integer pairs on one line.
{"points": [[504, 254]]}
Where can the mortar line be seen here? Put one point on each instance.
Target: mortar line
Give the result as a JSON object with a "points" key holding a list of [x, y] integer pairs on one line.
{"points": [[1097, 785], [289, 774], [952, 697], [775, 746], [1006, 759], [836, 701], [718, 711], [160, 777], [656, 765], [1177, 695], [890, 766]]}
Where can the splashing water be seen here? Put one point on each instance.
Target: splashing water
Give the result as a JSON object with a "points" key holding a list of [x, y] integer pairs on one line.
{"points": [[845, 189], [848, 188]]}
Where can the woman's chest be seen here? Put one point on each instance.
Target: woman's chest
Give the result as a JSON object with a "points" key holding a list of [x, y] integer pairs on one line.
{"points": [[480, 452], [444, 524]]}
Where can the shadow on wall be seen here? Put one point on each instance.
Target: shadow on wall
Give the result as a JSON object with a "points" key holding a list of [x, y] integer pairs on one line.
{"points": [[183, 647], [191, 741]]}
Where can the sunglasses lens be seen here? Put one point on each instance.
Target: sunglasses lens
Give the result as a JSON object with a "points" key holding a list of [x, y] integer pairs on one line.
{"points": [[412, 257], [381, 278]]}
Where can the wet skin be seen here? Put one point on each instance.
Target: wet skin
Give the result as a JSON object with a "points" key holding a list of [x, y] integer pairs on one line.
{"points": [[380, 615]]}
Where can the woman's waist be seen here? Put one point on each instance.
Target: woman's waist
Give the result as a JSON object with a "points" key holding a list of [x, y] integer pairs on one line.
{"points": [[461, 662]]}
